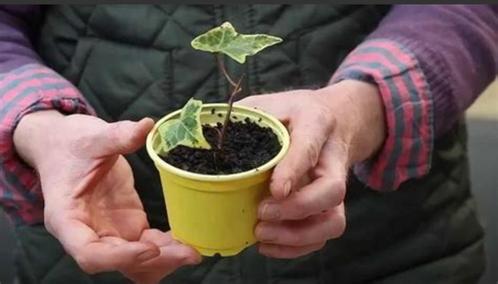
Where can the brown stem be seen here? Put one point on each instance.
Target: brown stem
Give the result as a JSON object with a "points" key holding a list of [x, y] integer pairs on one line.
{"points": [[218, 132], [231, 99], [221, 65]]}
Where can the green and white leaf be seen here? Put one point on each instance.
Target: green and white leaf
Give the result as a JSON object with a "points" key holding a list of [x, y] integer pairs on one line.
{"points": [[187, 130], [226, 40]]}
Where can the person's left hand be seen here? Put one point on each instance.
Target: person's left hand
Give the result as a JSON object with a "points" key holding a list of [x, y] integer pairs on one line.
{"points": [[331, 129]]}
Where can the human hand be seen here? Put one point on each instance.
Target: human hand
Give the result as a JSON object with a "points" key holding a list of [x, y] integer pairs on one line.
{"points": [[91, 205], [331, 129]]}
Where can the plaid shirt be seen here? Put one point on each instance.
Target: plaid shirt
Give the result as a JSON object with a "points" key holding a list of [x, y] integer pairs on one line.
{"points": [[406, 151], [30, 88], [429, 63], [408, 108]]}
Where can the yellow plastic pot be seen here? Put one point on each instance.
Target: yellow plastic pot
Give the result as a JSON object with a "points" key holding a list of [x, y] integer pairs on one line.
{"points": [[216, 214]]}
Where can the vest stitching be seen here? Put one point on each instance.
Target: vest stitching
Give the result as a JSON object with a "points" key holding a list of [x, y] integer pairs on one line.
{"points": [[137, 97], [163, 24], [171, 71], [93, 99], [79, 73]]}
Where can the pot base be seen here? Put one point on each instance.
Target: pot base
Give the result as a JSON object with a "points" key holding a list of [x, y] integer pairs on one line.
{"points": [[209, 252]]}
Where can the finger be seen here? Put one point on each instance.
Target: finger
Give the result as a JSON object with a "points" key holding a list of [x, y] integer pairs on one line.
{"points": [[172, 257], [319, 228], [286, 252], [94, 254], [334, 159], [322, 194], [165, 241], [309, 129], [326, 191], [308, 133], [271, 104], [122, 137], [101, 256]]}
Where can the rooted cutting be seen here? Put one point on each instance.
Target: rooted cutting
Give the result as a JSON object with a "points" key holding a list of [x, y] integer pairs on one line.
{"points": [[246, 146]]}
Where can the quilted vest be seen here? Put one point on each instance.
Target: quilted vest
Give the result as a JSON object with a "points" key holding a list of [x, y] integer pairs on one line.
{"points": [[136, 61]]}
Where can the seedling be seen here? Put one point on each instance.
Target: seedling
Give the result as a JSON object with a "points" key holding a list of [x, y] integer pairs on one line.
{"points": [[222, 40]]}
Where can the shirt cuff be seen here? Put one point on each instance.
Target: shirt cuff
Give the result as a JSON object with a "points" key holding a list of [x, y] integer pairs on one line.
{"points": [[24, 90], [408, 105]]}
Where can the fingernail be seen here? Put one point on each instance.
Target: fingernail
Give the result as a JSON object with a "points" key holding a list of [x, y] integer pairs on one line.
{"points": [[265, 234], [287, 188], [270, 212], [147, 255]]}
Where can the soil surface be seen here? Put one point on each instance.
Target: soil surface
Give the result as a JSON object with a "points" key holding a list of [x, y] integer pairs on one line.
{"points": [[247, 146]]}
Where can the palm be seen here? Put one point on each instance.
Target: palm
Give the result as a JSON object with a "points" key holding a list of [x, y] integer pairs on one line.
{"points": [[91, 205], [111, 207]]}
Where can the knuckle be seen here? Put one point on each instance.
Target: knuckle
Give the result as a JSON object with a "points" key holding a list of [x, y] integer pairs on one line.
{"points": [[334, 194], [313, 148], [341, 189], [333, 226], [338, 192], [135, 139], [299, 210], [115, 133], [329, 197], [330, 232], [337, 227]]}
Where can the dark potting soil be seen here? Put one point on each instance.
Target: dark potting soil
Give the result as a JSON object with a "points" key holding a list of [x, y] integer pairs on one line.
{"points": [[247, 146]]}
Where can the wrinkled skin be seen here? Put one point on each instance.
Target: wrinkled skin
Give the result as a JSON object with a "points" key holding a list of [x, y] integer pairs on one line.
{"points": [[331, 129], [92, 207]]}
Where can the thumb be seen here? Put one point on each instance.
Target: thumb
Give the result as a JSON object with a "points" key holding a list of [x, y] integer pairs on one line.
{"points": [[172, 250], [102, 256], [124, 137], [308, 135]]}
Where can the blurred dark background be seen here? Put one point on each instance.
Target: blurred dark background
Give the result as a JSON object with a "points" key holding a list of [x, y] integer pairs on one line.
{"points": [[483, 136]]}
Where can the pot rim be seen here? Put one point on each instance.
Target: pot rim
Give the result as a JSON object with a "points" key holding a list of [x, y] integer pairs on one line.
{"points": [[281, 132]]}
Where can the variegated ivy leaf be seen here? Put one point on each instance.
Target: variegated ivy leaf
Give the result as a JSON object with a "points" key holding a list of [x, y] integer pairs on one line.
{"points": [[187, 130], [226, 40]]}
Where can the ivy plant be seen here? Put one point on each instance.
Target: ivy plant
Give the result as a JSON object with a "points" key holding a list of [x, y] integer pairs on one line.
{"points": [[222, 40], [186, 130]]}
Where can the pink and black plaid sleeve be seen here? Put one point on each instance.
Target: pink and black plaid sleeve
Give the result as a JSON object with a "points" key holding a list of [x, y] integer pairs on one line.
{"points": [[406, 152], [24, 90]]}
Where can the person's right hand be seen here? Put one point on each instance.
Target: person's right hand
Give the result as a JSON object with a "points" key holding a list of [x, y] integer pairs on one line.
{"points": [[91, 205]]}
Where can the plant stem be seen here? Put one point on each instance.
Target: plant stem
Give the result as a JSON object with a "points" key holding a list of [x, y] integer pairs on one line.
{"points": [[221, 65], [231, 99]]}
